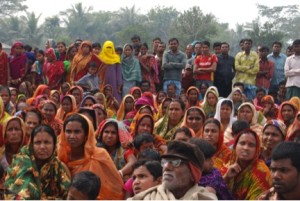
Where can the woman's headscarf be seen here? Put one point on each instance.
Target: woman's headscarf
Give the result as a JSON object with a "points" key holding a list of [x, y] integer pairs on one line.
{"points": [[80, 90], [198, 94], [202, 113], [51, 53], [208, 109], [87, 97], [16, 44], [279, 125], [296, 102], [286, 103], [235, 89], [135, 88], [37, 101], [131, 69], [61, 113], [108, 54], [218, 111], [293, 129], [121, 111], [40, 90]]}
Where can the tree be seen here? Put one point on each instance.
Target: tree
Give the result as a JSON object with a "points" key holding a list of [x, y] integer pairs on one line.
{"points": [[52, 27], [32, 32], [11, 7]]}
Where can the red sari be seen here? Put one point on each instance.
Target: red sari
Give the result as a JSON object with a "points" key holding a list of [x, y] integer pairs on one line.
{"points": [[17, 64], [3, 68], [149, 70]]}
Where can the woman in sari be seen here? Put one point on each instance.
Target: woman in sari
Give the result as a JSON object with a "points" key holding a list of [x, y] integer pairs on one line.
{"points": [[214, 134], [126, 106], [270, 110], [131, 69], [88, 101], [210, 101], [48, 109], [194, 119], [42, 90], [6, 95], [293, 132], [161, 95], [32, 118], [17, 65], [53, 70], [55, 97], [246, 175], [36, 173], [148, 67], [166, 126], [192, 95], [111, 101], [113, 136], [62, 51], [101, 113], [110, 72], [3, 66], [236, 96], [14, 136], [287, 113], [225, 113], [81, 60], [37, 69], [136, 92], [77, 92], [77, 148], [68, 105], [71, 52], [3, 117], [101, 99]]}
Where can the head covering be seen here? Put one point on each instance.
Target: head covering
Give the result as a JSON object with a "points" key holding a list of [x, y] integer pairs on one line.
{"points": [[198, 94], [80, 90], [202, 113], [296, 102], [40, 90], [277, 124], [281, 107], [61, 114], [146, 99], [218, 111], [37, 101], [235, 89], [131, 69], [293, 129], [108, 54], [135, 88], [88, 97], [51, 52], [252, 107], [208, 109], [121, 111], [16, 44], [136, 122]]}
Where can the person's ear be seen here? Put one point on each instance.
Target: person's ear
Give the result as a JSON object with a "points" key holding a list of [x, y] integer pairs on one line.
{"points": [[159, 180]]}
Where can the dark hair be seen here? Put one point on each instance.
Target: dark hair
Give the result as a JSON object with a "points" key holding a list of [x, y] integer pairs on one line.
{"points": [[172, 84], [277, 43], [3, 87], [287, 150], [144, 81], [80, 119], [94, 45], [0, 45], [260, 89], [236, 84], [135, 37], [27, 48], [61, 42], [197, 110], [156, 38], [91, 112], [217, 44], [228, 103], [207, 149], [264, 48], [214, 121], [248, 40], [43, 128], [154, 167], [119, 49], [296, 42], [242, 40], [225, 43], [129, 45], [41, 52], [238, 126], [173, 39], [36, 112], [184, 129], [181, 103], [206, 43], [150, 155], [142, 138], [92, 64], [87, 183], [145, 45], [115, 125]]}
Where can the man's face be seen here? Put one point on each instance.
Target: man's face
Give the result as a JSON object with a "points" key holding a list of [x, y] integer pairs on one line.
{"points": [[296, 49], [217, 50], [205, 49], [155, 44], [247, 45], [276, 48], [189, 51], [173, 45], [145, 87], [197, 49], [176, 178], [285, 177], [135, 42], [224, 49]]}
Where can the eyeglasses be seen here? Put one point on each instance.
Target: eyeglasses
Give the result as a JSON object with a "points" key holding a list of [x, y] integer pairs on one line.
{"points": [[175, 162]]}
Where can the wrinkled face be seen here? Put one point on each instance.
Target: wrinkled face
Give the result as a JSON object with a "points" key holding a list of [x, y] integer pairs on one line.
{"points": [[127, 51], [14, 132], [211, 99], [211, 134], [5, 96], [285, 177], [287, 113], [43, 146], [225, 111], [175, 112], [245, 113], [194, 120], [142, 180], [193, 95], [181, 136], [145, 126], [61, 48], [110, 135], [88, 102], [75, 135], [77, 94], [246, 147], [176, 178], [67, 105], [31, 121], [48, 111], [271, 137]]}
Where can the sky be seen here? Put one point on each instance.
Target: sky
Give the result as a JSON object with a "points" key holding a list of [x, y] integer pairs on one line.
{"points": [[226, 11]]}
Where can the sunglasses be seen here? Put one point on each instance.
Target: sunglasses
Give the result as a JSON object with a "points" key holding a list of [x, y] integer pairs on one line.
{"points": [[175, 162]]}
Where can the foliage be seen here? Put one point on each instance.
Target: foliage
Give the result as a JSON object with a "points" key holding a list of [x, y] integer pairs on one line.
{"points": [[11, 7]]}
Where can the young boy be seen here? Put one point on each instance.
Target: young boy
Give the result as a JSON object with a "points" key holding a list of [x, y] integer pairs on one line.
{"points": [[171, 90], [90, 81]]}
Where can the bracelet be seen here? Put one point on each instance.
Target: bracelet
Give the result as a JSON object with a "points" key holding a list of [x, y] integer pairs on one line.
{"points": [[121, 173]]}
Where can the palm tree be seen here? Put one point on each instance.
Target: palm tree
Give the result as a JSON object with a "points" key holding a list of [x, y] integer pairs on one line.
{"points": [[32, 31]]}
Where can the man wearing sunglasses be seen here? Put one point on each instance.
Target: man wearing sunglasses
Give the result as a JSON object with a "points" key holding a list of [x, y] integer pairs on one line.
{"points": [[182, 168]]}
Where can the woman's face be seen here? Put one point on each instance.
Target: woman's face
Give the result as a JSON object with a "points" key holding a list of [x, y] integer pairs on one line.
{"points": [[246, 147], [161, 97], [208, 165], [5, 96], [145, 126], [110, 135], [129, 104], [46, 93], [211, 133], [31, 121], [193, 95], [287, 113], [107, 91], [245, 113], [85, 49], [43, 145], [143, 50], [67, 105], [211, 99], [237, 96], [88, 102], [181, 136], [48, 111], [127, 51], [100, 99], [40, 57], [271, 137], [61, 48], [225, 111], [136, 94], [73, 52], [65, 88], [75, 135], [55, 97], [100, 115], [194, 120], [13, 96], [77, 94], [14, 132], [175, 112]]}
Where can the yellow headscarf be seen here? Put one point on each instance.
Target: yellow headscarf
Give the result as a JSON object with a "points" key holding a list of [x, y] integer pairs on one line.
{"points": [[108, 54]]}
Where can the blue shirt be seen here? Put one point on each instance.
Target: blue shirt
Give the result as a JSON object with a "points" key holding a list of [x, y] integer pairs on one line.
{"points": [[278, 68]]}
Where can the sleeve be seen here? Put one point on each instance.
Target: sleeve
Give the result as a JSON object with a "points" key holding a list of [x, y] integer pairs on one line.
{"points": [[119, 74]]}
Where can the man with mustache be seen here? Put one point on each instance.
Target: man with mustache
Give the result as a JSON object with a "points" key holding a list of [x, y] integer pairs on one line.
{"points": [[182, 169], [285, 173]]}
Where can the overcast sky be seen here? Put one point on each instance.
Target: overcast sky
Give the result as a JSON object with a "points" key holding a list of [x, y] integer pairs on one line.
{"points": [[226, 11]]}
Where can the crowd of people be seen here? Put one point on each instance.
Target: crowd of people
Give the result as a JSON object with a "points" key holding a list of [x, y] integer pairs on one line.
{"points": [[92, 121]]}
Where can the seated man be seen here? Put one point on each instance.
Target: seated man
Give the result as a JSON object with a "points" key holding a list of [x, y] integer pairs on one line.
{"points": [[285, 173], [85, 186], [182, 169]]}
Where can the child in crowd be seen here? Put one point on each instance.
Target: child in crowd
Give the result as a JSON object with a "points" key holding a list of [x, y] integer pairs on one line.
{"points": [[90, 81]]}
